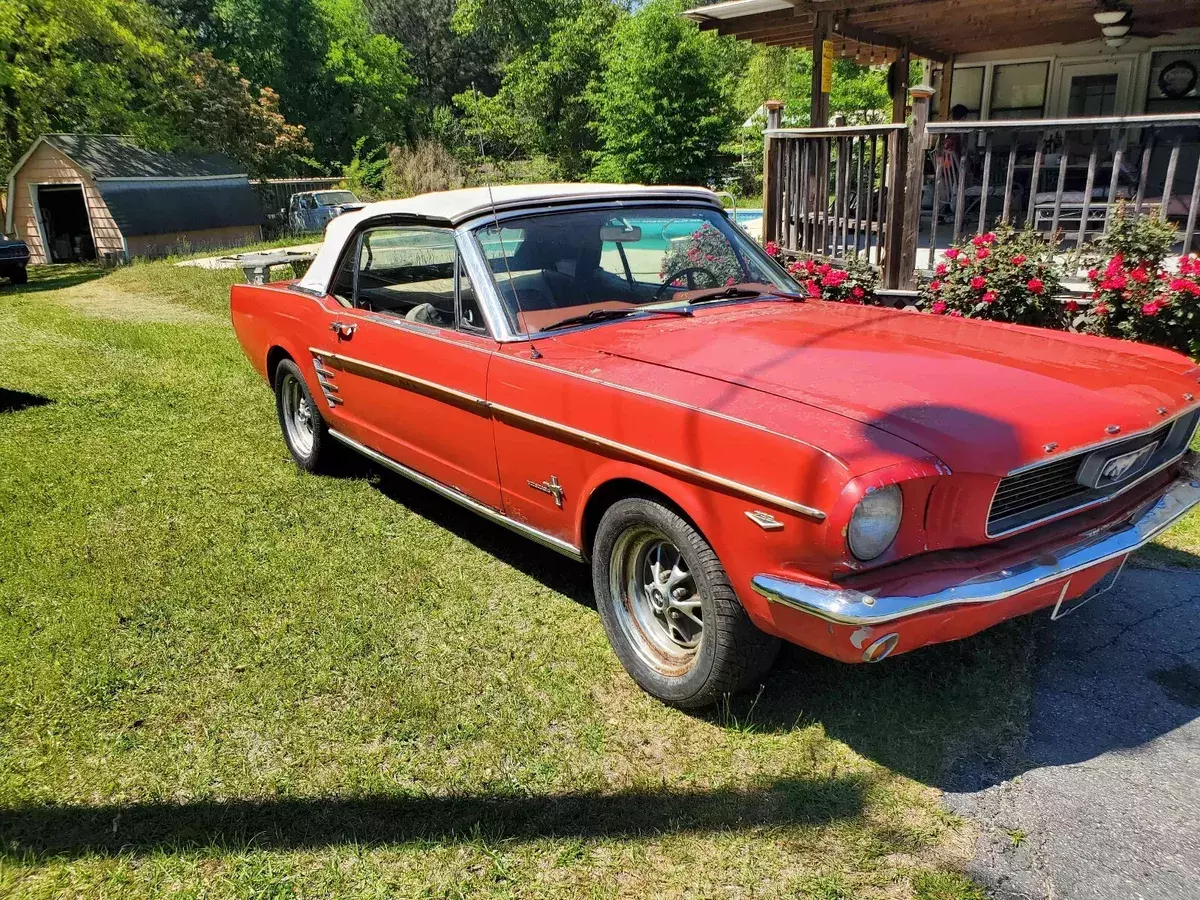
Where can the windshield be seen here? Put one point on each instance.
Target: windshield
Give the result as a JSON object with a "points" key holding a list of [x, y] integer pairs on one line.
{"points": [[335, 198], [557, 265]]}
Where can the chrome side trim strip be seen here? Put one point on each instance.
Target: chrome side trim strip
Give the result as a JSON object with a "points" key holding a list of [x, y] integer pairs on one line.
{"points": [[659, 462], [462, 499], [399, 379], [843, 606]]}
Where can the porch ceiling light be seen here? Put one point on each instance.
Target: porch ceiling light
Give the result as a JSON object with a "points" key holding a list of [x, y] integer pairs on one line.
{"points": [[1110, 16], [1115, 31], [1117, 41]]}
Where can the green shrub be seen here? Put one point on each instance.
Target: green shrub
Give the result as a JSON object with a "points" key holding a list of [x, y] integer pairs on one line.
{"points": [[1005, 275], [1134, 296]]}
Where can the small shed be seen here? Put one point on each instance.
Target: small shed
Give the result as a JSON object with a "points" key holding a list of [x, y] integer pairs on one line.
{"points": [[79, 197]]}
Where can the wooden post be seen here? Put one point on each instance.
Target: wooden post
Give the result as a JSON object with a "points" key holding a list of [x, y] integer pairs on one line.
{"points": [[898, 85], [946, 90], [771, 180], [819, 106], [893, 237], [921, 96]]}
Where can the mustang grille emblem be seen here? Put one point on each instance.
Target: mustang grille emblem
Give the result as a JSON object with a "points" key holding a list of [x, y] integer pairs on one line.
{"points": [[1102, 471]]}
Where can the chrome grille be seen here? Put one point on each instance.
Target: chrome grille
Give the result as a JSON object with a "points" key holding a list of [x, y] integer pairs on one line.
{"points": [[1052, 489]]}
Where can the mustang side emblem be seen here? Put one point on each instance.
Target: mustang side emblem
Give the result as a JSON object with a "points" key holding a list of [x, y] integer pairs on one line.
{"points": [[551, 487]]}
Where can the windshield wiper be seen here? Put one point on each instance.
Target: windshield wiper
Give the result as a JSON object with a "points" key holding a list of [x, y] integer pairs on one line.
{"points": [[737, 293], [605, 315]]}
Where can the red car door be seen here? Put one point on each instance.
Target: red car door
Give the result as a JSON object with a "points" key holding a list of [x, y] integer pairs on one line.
{"points": [[405, 358]]}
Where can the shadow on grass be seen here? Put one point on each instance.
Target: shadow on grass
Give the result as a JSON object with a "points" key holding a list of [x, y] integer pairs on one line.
{"points": [[54, 278], [54, 830], [15, 401]]}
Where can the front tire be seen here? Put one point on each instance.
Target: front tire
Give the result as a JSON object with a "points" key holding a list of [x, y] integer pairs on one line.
{"points": [[668, 608], [19, 276], [304, 429]]}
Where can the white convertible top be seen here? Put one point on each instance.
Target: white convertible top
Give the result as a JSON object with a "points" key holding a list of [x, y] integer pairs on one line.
{"points": [[455, 207]]}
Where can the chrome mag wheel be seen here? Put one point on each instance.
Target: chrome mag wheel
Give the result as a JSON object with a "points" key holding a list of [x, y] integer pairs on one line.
{"points": [[298, 415], [656, 600]]}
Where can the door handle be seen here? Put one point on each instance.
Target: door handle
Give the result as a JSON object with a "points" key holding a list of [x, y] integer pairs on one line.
{"points": [[344, 329]]}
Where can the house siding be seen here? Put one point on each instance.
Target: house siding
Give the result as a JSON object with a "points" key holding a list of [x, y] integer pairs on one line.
{"points": [[155, 245], [47, 165]]}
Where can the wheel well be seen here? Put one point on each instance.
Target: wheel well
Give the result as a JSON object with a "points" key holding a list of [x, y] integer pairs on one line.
{"points": [[620, 489], [275, 356]]}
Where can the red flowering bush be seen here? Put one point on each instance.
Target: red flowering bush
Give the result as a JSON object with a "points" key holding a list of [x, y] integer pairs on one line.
{"points": [[1134, 296], [855, 283], [1005, 275], [706, 248]]}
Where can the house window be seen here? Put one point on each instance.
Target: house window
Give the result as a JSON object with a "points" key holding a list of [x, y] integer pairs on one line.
{"points": [[1173, 81], [1093, 95], [966, 93], [1019, 91]]}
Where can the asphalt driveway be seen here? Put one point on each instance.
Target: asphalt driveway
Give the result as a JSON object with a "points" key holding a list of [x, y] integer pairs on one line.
{"points": [[1104, 800]]}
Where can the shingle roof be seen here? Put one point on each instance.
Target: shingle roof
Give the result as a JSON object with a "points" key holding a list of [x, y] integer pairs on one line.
{"points": [[165, 207], [118, 156]]}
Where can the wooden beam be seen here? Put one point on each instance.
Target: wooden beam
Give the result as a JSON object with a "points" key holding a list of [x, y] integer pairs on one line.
{"points": [[819, 105], [882, 39], [945, 90]]}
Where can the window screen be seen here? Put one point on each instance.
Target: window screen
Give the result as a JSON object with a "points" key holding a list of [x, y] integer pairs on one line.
{"points": [[966, 92], [1019, 90]]}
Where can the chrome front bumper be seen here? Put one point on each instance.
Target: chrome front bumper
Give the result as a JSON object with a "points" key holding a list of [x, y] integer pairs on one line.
{"points": [[850, 607]]}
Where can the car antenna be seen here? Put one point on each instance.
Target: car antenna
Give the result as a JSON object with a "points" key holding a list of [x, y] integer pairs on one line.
{"points": [[487, 180]]}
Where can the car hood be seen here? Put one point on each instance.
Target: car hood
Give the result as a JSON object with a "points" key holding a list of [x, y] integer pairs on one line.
{"points": [[982, 397]]}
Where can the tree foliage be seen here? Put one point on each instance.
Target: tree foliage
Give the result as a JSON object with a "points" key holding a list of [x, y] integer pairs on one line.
{"points": [[544, 104], [663, 104]]}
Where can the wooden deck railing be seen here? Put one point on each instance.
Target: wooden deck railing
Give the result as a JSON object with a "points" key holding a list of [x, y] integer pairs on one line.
{"points": [[1059, 176], [899, 194], [830, 191]]}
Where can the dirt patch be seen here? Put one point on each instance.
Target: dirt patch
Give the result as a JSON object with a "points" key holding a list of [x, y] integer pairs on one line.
{"points": [[101, 301]]}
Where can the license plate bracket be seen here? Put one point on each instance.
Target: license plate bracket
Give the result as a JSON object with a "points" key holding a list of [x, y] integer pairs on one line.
{"points": [[1065, 607]]}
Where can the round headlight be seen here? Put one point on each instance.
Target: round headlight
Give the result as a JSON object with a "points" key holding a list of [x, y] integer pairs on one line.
{"points": [[875, 521]]}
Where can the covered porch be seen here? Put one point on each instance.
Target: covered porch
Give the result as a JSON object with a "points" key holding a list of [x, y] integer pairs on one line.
{"points": [[1044, 113]]}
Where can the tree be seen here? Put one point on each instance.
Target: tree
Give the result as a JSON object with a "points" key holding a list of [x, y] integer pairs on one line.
{"points": [[333, 73], [664, 103], [544, 105]]}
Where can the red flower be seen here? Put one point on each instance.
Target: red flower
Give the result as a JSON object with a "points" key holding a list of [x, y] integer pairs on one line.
{"points": [[989, 297], [1035, 284], [1115, 282], [1115, 266], [1019, 259], [938, 308], [983, 253], [955, 314], [810, 266], [978, 283], [952, 253], [835, 277], [858, 293], [935, 286], [824, 269], [982, 240], [1101, 309], [1139, 275], [1185, 285], [813, 289], [942, 269], [1151, 308], [1093, 274], [730, 282], [795, 268], [1072, 306], [772, 249]]}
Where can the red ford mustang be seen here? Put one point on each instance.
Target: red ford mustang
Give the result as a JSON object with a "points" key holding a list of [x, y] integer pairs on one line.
{"points": [[619, 373]]}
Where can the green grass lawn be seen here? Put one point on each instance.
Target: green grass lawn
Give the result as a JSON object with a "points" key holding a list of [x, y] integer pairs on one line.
{"points": [[220, 677]]}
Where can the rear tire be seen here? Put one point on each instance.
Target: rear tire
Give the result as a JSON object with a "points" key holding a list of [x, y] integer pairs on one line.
{"points": [[19, 276], [668, 608], [304, 429]]}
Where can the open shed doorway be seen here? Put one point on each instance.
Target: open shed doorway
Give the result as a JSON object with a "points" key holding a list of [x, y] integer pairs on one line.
{"points": [[66, 226]]}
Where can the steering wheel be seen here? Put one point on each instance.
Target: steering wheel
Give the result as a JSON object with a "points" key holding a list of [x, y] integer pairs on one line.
{"points": [[690, 272]]}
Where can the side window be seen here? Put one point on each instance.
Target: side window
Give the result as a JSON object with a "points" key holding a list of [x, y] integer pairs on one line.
{"points": [[470, 317], [409, 273], [343, 284]]}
